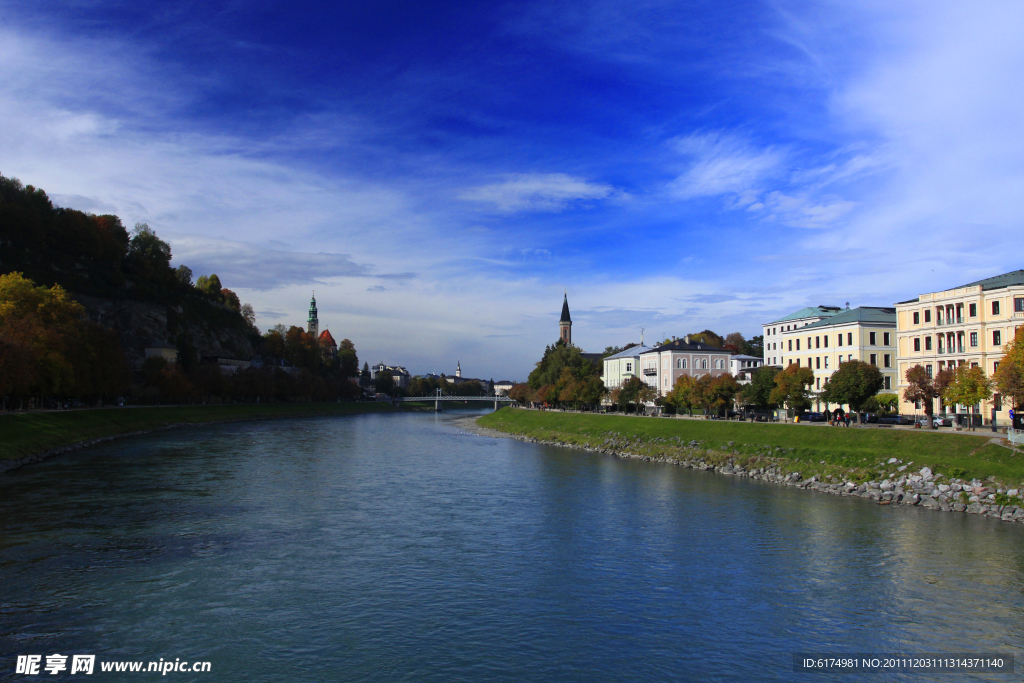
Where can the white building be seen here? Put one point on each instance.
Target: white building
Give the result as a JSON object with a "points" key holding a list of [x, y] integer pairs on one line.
{"points": [[662, 366], [619, 367], [742, 367], [501, 387]]}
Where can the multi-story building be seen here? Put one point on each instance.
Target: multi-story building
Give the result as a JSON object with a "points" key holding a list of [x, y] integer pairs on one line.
{"points": [[866, 333], [779, 332], [663, 365], [742, 366], [965, 325], [619, 367]]}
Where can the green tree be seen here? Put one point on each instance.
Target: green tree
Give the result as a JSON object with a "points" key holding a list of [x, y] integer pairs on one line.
{"points": [[755, 346], [385, 383], [348, 361], [557, 357], [365, 374], [735, 342], [759, 391], [921, 387], [707, 338], [792, 387], [633, 391], [184, 275], [721, 392], [210, 285], [853, 384], [521, 393], [969, 386]]}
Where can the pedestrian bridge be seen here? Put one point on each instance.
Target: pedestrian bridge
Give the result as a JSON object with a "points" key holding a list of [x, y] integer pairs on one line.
{"points": [[438, 396]]}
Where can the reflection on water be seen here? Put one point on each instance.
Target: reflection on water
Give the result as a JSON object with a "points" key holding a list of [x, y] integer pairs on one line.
{"points": [[395, 547]]}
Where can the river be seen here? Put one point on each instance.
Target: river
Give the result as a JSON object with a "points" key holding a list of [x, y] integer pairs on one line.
{"points": [[401, 548]]}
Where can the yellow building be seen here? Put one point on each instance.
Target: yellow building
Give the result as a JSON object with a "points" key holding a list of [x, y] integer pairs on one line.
{"points": [[866, 333], [969, 324]]}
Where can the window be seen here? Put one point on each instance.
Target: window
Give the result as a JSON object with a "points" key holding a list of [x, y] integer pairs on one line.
{"points": [[825, 340], [928, 369], [917, 343], [974, 338], [887, 360], [849, 357], [885, 339], [927, 343], [719, 364], [849, 338], [704, 364], [839, 339], [808, 343], [927, 315], [679, 363], [997, 338], [871, 338], [817, 342], [888, 382], [817, 363], [682, 363], [874, 359], [797, 344], [1018, 305], [826, 362], [818, 383], [995, 308], [972, 310], [629, 367], [995, 367], [790, 344], [917, 318]]}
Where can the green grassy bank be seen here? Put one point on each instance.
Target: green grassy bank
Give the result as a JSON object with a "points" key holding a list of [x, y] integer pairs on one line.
{"points": [[26, 434], [856, 453]]}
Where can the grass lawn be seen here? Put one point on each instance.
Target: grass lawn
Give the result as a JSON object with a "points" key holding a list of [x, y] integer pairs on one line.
{"points": [[807, 448], [23, 434]]}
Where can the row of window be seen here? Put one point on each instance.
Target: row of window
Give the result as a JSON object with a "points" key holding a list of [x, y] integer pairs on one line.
{"points": [[818, 360], [822, 341], [997, 340], [958, 311]]}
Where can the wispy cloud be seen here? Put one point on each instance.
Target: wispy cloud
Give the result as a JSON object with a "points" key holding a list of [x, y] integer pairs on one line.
{"points": [[537, 192], [720, 163]]}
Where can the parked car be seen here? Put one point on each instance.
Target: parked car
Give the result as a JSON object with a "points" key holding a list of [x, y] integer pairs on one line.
{"points": [[942, 422], [895, 420]]}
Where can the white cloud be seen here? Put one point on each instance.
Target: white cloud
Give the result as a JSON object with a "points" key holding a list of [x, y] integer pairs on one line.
{"points": [[724, 164], [537, 192]]}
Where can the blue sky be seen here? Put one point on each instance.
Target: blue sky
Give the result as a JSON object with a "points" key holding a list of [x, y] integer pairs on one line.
{"points": [[441, 172]]}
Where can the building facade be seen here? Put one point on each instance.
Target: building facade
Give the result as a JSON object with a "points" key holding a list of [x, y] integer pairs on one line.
{"points": [[966, 325], [781, 333], [742, 366], [660, 367], [618, 368], [866, 333]]}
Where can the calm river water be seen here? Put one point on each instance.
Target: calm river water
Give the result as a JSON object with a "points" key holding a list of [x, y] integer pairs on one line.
{"points": [[399, 548]]}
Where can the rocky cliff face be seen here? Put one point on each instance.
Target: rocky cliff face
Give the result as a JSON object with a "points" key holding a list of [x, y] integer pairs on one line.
{"points": [[210, 329]]}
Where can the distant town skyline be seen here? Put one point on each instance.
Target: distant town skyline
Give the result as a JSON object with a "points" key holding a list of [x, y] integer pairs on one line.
{"points": [[440, 173]]}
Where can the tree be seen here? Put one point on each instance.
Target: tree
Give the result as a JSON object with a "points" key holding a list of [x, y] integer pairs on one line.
{"points": [[721, 392], [707, 338], [520, 393], [385, 383], [209, 285], [633, 391], [792, 387], [249, 315], [39, 328], [758, 393], [365, 374], [1009, 376], [921, 387], [348, 361], [735, 342], [184, 275], [557, 357], [969, 386], [230, 299], [755, 346], [682, 395], [853, 384]]}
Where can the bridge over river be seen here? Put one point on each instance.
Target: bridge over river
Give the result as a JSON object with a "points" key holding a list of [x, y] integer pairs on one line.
{"points": [[439, 396]]}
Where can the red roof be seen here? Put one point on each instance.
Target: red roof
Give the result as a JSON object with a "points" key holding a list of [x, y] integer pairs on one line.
{"points": [[326, 338]]}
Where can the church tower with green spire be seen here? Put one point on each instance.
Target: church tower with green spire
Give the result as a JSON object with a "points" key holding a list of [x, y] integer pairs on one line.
{"points": [[565, 324], [313, 324]]}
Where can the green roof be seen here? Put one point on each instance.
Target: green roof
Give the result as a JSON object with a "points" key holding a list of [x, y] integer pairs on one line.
{"points": [[870, 315], [809, 312], [1015, 277]]}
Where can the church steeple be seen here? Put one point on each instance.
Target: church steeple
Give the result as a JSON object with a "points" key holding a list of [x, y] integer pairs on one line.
{"points": [[458, 368], [565, 323], [312, 323]]}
